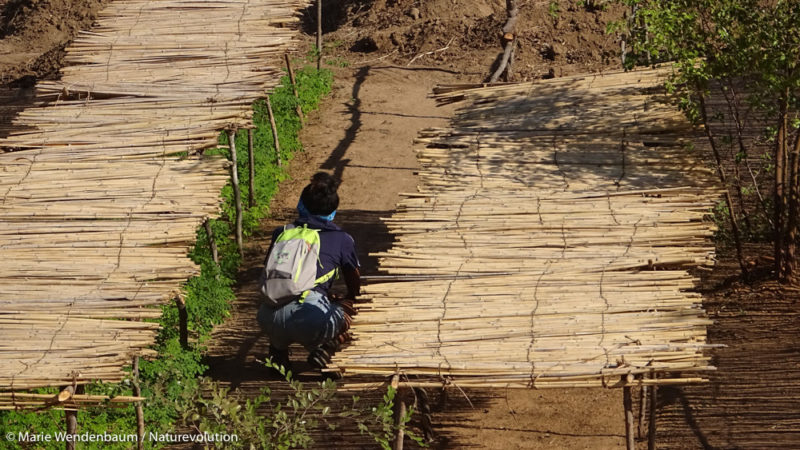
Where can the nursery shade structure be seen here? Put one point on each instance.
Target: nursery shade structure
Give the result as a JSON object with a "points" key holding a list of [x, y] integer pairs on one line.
{"points": [[103, 182], [548, 245]]}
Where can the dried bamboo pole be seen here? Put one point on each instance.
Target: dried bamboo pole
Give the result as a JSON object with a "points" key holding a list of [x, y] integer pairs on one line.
{"points": [[562, 237], [137, 104]]}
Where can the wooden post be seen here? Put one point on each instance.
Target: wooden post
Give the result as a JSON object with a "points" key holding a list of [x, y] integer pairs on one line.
{"points": [[298, 108], [251, 196], [651, 425], [274, 132], [211, 241], [627, 401], [319, 34], [399, 412], [642, 410], [71, 415], [424, 408], [137, 391], [183, 319], [237, 194]]}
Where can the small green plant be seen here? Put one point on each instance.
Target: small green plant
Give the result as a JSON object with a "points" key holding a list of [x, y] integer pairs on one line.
{"points": [[215, 409], [553, 9], [337, 62], [268, 423]]}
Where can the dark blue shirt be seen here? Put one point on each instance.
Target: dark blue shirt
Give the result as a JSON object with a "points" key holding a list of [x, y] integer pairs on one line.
{"points": [[337, 249]]}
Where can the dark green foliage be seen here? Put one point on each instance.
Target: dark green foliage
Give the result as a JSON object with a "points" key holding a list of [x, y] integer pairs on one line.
{"points": [[171, 380]]}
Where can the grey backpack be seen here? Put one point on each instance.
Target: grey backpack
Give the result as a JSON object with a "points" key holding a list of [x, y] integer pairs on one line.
{"points": [[290, 271]]}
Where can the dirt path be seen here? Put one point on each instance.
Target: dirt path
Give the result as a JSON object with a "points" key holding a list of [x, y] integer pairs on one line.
{"points": [[364, 133]]}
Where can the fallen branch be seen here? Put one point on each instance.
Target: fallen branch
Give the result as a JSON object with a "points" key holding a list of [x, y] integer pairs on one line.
{"points": [[377, 59], [510, 38], [430, 52]]}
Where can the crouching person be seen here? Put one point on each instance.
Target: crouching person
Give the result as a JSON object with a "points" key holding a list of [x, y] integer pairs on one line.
{"points": [[303, 261]]}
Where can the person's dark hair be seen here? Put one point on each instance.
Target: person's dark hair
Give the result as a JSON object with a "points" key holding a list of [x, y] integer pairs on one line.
{"points": [[320, 197]]}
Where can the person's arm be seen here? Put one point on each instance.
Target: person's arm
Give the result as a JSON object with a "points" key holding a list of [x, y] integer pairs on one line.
{"points": [[352, 279]]}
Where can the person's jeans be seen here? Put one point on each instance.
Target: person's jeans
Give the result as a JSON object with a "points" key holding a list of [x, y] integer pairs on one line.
{"points": [[311, 323]]}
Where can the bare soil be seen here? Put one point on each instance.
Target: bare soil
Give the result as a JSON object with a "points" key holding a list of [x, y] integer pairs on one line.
{"points": [[554, 38], [33, 34]]}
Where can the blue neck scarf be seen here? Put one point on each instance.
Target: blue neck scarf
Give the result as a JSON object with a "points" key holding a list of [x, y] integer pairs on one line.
{"points": [[301, 209]]}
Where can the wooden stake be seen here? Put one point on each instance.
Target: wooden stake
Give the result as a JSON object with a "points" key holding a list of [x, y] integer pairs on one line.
{"points": [[651, 425], [71, 417], [274, 133], [211, 241], [237, 194], [400, 412], [319, 34], [627, 401], [298, 108], [251, 199], [183, 319], [642, 411], [424, 407], [137, 391]]}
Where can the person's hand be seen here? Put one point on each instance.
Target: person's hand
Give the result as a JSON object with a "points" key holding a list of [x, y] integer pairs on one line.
{"points": [[348, 307], [344, 337]]}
